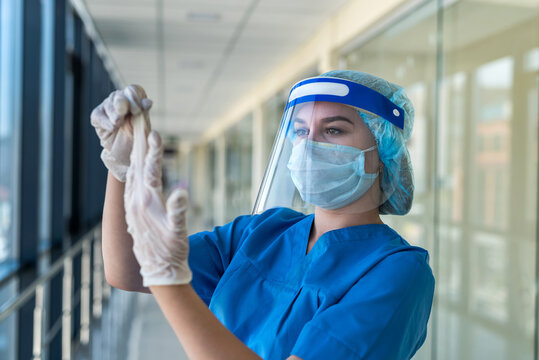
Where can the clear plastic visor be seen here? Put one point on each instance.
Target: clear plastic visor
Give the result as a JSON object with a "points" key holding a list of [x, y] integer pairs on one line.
{"points": [[324, 156]]}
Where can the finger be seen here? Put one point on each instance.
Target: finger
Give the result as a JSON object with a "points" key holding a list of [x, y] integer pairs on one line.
{"points": [[100, 120], [139, 91], [121, 104], [153, 161], [110, 110], [103, 127], [103, 134], [177, 204], [134, 95], [146, 104]]}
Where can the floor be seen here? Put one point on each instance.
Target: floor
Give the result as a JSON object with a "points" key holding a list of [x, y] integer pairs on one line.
{"points": [[151, 334]]}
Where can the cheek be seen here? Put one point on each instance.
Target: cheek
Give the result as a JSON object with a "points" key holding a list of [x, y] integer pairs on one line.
{"points": [[350, 139], [372, 162]]}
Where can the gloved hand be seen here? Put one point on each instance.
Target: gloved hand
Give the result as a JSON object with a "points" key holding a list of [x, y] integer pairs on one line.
{"points": [[112, 120], [159, 231]]}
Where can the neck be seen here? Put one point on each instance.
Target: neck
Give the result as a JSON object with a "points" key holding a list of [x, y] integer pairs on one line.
{"points": [[327, 220]]}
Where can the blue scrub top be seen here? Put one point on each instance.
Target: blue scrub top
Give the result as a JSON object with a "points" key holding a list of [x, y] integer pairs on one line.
{"points": [[362, 292]]}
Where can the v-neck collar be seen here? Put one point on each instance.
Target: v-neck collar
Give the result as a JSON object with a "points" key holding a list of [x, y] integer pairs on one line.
{"points": [[306, 225]]}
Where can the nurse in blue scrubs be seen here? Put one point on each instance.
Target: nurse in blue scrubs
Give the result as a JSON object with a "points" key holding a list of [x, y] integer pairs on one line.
{"points": [[313, 273]]}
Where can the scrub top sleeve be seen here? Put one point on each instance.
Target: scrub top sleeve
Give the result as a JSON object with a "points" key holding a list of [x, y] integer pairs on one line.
{"points": [[383, 316], [210, 253]]}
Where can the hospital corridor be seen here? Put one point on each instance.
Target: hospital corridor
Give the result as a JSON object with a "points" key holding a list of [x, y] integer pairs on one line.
{"points": [[269, 179]]}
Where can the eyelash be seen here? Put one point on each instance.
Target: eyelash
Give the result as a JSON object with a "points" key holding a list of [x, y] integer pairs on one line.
{"points": [[333, 131], [330, 131]]}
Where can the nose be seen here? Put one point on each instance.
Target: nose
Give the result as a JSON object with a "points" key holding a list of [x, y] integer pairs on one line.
{"points": [[315, 133]]}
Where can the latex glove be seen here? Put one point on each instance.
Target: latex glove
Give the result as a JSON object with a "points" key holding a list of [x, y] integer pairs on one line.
{"points": [[112, 120], [159, 230]]}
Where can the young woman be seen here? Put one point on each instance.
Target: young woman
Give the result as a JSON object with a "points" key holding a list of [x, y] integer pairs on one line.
{"points": [[329, 282]]}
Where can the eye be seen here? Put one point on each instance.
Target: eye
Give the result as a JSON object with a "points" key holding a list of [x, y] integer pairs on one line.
{"points": [[301, 132], [333, 131]]}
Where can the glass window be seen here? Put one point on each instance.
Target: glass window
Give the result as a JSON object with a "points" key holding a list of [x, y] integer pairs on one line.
{"points": [[10, 64], [272, 111], [476, 154], [176, 166], [8, 326], [205, 185], [239, 144], [486, 164], [200, 215], [10, 71]]}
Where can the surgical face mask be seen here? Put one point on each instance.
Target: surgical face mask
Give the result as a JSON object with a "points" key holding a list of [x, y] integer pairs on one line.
{"points": [[328, 175]]}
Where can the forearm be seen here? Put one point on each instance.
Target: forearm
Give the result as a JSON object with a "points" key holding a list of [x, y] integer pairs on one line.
{"points": [[121, 267], [202, 335]]}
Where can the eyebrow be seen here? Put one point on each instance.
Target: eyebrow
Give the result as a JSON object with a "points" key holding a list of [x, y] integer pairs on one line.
{"points": [[337, 118], [329, 119]]}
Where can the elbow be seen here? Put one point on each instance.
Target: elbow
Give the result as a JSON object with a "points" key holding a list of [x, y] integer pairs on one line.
{"points": [[124, 283], [114, 281]]}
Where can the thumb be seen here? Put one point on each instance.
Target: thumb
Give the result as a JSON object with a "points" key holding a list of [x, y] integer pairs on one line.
{"points": [[177, 204]]}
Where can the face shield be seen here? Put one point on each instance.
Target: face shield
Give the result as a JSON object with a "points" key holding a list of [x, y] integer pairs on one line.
{"points": [[324, 154]]}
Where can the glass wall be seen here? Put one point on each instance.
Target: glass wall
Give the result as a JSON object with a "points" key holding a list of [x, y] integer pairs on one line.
{"points": [[205, 183], [272, 112], [200, 214], [488, 156], [175, 173], [34, 113], [471, 70], [238, 169], [10, 73]]}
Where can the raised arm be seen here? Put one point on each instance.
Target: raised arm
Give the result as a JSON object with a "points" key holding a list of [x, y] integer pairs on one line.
{"points": [[112, 120], [121, 267]]}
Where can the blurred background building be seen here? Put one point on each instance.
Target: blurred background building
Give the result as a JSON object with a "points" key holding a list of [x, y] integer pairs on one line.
{"points": [[219, 72]]}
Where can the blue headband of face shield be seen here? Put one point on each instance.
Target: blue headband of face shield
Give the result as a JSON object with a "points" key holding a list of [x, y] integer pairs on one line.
{"points": [[345, 92]]}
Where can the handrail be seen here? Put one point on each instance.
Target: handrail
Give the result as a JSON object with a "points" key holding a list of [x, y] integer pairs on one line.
{"points": [[11, 306], [36, 288]]}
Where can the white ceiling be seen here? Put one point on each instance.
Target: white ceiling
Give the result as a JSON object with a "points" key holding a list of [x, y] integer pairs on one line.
{"points": [[196, 57]]}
